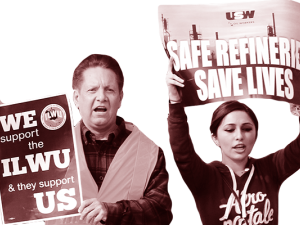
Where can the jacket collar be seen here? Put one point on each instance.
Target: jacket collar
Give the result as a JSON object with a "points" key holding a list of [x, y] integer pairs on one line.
{"points": [[89, 138]]}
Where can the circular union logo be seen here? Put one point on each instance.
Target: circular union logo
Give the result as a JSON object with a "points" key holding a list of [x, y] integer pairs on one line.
{"points": [[53, 117]]}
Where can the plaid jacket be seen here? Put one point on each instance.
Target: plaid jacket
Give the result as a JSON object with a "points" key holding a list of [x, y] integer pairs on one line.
{"points": [[154, 207]]}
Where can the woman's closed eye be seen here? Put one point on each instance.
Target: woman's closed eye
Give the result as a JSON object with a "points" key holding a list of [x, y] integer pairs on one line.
{"points": [[248, 129], [229, 130]]}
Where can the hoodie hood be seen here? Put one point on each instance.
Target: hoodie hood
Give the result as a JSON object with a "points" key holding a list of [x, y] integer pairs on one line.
{"points": [[226, 171]]}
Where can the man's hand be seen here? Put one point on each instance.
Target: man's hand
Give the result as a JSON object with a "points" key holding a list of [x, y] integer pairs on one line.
{"points": [[92, 211]]}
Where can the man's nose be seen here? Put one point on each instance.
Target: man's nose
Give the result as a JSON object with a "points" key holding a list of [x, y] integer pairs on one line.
{"points": [[101, 95]]}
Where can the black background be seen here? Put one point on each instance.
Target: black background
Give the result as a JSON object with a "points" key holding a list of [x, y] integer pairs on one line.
{"points": [[39, 60]]}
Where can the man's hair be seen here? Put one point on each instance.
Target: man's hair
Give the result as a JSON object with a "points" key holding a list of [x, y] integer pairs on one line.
{"points": [[96, 60], [226, 108]]}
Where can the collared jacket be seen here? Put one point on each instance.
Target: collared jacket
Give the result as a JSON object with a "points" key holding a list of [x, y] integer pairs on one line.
{"points": [[154, 207]]}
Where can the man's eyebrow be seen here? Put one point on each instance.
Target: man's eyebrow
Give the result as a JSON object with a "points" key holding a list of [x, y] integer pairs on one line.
{"points": [[109, 86], [92, 85], [96, 85]]}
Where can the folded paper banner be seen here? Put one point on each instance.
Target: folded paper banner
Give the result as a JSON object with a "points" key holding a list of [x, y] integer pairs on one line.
{"points": [[234, 51]]}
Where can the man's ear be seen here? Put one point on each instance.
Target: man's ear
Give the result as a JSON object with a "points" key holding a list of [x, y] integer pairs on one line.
{"points": [[121, 98], [215, 140], [76, 98]]}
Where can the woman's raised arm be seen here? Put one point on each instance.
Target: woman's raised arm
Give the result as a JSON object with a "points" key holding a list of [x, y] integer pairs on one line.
{"points": [[188, 162], [173, 82]]}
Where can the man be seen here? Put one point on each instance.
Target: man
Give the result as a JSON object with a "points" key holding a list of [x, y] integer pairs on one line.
{"points": [[123, 173]]}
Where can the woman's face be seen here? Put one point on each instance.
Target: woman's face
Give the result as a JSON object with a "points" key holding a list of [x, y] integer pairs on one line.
{"points": [[236, 137]]}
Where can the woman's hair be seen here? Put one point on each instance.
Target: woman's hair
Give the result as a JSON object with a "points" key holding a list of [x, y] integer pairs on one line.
{"points": [[96, 60], [226, 108]]}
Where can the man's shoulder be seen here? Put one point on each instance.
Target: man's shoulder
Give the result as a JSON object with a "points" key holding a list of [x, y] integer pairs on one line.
{"points": [[137, 133], [129, 126]]}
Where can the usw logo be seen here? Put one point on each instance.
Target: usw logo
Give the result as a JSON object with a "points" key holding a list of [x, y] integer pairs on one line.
{"points": [[240, 15]]}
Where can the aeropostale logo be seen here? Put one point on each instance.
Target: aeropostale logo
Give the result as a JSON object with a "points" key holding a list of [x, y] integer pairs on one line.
{"points": [[240, 15]]}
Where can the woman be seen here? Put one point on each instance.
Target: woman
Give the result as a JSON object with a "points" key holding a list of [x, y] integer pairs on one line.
{"points": [[239, 190]]}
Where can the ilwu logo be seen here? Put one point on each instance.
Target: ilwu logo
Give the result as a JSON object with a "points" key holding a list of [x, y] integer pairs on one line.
{"points": [[53, 117], [240, 15]]}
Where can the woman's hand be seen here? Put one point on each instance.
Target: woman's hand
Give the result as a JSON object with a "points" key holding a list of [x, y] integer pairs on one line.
{"points": [[173, 81]]}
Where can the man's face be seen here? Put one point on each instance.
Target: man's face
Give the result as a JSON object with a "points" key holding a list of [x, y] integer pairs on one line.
{"points": [[98, 99]]}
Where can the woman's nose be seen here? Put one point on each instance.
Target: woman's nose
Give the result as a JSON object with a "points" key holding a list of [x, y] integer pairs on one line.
{"points": [[239, 134]]}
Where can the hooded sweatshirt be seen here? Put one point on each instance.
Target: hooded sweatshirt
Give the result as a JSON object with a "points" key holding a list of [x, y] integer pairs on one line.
{"points": [[212, 184]]}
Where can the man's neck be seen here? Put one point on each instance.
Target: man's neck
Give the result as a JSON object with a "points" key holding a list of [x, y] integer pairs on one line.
{"points": [[103, 134]]}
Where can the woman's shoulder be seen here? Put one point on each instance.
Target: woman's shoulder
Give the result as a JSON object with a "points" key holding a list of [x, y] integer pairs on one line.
{"points": [[273, 166], [266, 161]]}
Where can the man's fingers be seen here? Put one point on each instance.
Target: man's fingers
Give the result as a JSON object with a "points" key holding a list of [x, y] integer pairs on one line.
{"points": [[100, 216], [92, 215], [85, 212], [84, 204], [85, 208], [92, 211]]}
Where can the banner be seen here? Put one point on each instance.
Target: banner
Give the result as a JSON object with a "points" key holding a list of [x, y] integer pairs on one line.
{"points": [[39, 173], [234, 51]]}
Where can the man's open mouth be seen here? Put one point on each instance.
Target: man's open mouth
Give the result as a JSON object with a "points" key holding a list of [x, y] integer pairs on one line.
{"points": [[100, 109]]}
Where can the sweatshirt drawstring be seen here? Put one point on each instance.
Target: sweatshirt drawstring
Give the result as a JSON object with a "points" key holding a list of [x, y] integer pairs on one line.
{"points": [[243, 193]]}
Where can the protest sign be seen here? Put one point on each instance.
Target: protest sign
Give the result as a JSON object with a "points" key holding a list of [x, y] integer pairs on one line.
{"points": [[234, 51], [39, 174]]}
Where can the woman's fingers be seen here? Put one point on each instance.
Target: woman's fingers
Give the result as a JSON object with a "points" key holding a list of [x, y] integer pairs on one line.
{"points": [[170, 66], [174, 80], [171, 78]]}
